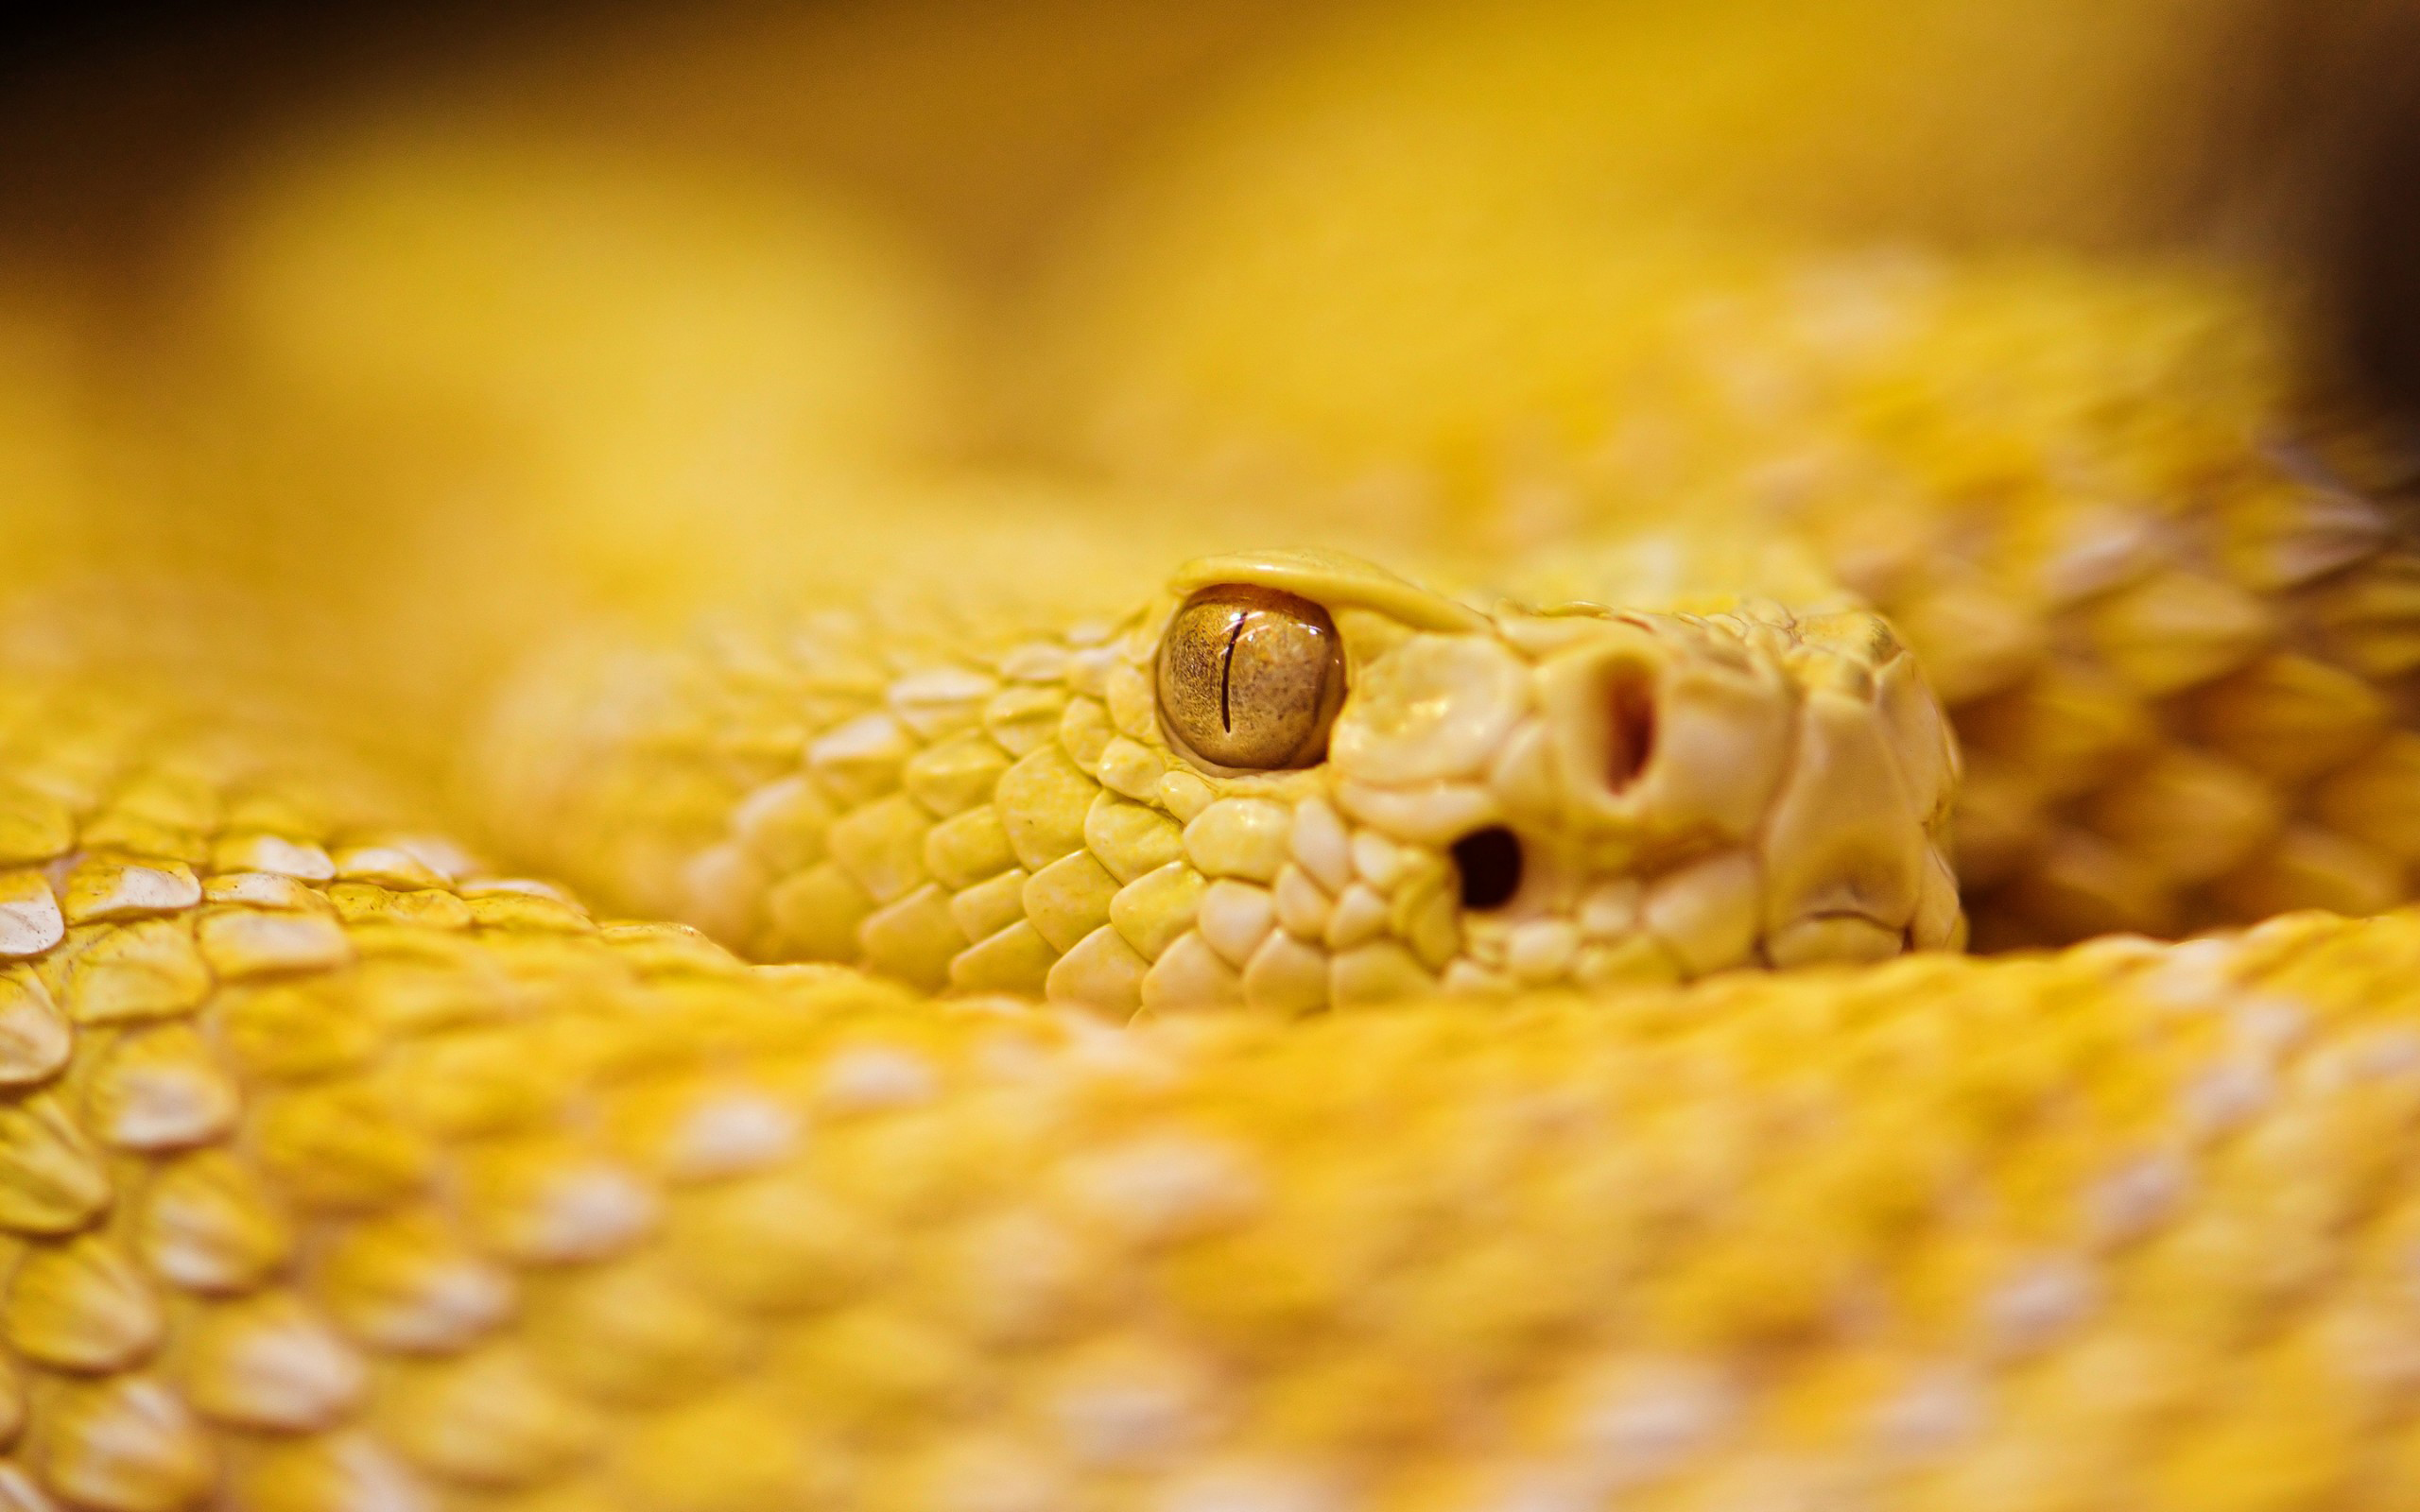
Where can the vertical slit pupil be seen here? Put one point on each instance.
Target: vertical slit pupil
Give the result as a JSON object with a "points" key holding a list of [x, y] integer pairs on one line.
{"points": [[1227, 674], [1489, 863]]}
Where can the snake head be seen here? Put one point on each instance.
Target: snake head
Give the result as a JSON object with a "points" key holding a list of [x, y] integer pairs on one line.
{"points": [[1386, 791], [1287, 780]]}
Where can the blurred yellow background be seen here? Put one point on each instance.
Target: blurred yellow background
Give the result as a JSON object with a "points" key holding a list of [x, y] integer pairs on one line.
{"points": [[425, 332]]}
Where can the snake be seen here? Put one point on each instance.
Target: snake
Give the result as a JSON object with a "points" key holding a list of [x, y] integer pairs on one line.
{"points": [[1476, 1013]]}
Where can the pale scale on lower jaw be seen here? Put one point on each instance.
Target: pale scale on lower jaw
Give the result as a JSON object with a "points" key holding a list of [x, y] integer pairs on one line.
{"points": [[1686, 793]]}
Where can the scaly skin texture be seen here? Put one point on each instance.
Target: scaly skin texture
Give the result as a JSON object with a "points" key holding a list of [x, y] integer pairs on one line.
{"points": [[333, 1179], [1002, 809], [337, 1173]]}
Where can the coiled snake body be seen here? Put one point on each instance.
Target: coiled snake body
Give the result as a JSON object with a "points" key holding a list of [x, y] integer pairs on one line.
{"points": [[1280, 1046]]}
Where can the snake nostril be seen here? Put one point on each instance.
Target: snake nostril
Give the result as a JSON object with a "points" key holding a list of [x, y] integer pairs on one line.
{"points": [[1489, 863], [1629, 718]]}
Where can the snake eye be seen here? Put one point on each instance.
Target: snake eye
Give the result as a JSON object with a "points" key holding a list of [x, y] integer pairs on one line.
{"points": [[1250, 678]]}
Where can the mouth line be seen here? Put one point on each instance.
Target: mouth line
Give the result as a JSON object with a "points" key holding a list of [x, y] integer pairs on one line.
{"points": [[1489, 938]]}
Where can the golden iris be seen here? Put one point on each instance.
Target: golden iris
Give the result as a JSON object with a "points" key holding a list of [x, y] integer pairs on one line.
{"points": [[1250, 678]]}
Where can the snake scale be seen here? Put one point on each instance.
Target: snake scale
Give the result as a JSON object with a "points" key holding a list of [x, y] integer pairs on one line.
{"points": [[1471, 1014]]}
